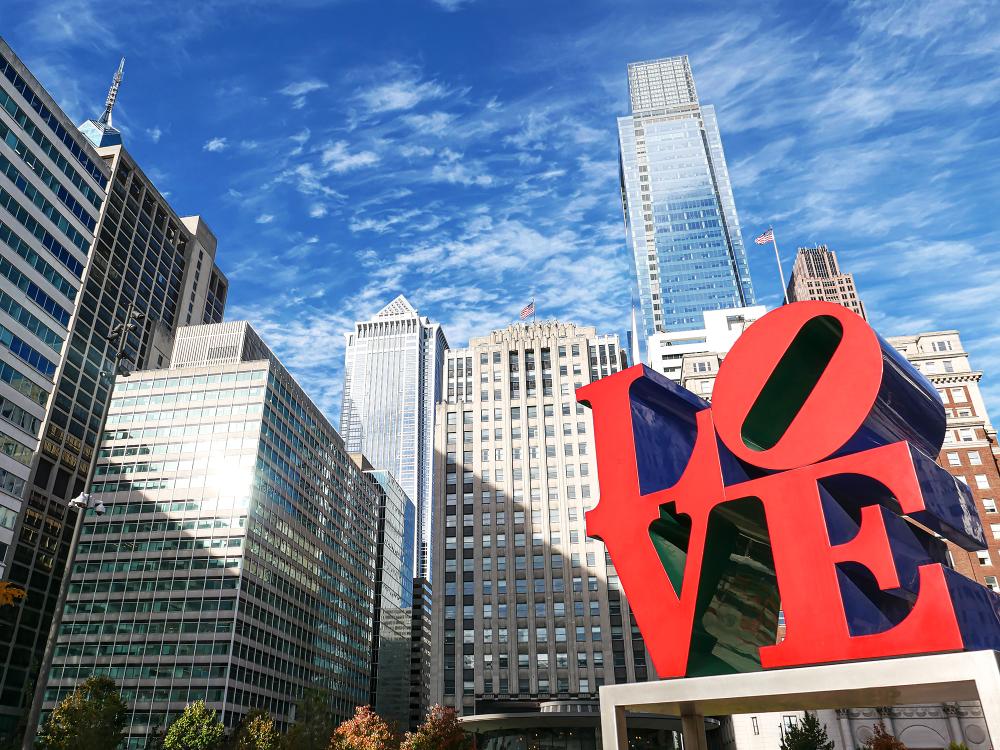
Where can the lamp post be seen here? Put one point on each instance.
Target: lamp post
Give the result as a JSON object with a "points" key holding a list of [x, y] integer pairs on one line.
{"points": [[118, 338]]}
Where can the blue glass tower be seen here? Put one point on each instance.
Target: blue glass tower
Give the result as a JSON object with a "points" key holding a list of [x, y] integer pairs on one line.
{"points": [[683, 234]]}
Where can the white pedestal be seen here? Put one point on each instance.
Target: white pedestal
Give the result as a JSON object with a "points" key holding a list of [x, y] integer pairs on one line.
{"points": [[973, 675]]}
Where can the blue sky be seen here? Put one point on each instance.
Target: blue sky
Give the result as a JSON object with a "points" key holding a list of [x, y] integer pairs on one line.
{"points": [[463, 152]]}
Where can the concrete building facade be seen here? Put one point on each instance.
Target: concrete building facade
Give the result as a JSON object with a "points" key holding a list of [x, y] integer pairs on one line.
{"points": [[236, 562], [392, 380], [683, 233], [816, 275], [527, 609], [143, 254]]}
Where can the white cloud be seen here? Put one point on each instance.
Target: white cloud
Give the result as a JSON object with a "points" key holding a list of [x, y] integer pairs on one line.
{"points": [[216, 144], [301, 88], [338, 158], [265, 218], [435, 123], [402, 94], [453, 5], [411, 151], [154, 134], [460, 173], [317, 210]]}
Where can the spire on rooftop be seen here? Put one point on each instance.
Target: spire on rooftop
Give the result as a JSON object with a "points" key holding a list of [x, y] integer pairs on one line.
{"points": [[112, 94], [101, 132]]}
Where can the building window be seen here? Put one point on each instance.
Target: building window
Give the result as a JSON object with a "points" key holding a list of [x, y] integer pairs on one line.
{"points": [[753, 723], [991, 582], [954, 460], [984, 558], [974, 458], [982, 482], [989, 505], [995, 528]]}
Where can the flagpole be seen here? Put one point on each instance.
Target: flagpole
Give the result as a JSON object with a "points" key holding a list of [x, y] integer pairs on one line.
{"points": [[777, 258]]}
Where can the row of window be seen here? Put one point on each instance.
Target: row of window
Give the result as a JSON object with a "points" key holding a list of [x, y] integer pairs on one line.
{"points": [[49, 118], [63, 285], [50, 150]]}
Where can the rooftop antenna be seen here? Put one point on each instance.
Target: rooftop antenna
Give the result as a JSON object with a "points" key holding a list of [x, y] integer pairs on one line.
{"points": [[112, 95]]}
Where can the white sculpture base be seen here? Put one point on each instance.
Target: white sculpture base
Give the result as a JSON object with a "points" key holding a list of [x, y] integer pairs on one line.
{"points": [[966, 676]]}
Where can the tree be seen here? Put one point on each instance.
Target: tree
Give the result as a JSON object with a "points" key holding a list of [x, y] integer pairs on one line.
{"points": [[957, 746], [882, 740], [807, 734], [441, 730], [92, 717], [9, 593], [314, 722], [365, 731], [197, 728], [256, 732]]}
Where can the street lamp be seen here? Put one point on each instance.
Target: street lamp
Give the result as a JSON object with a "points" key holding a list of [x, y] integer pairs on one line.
{"points": [[118, 338]]}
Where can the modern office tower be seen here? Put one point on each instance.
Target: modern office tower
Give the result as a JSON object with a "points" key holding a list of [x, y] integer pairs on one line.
{"points": [[236, 561], [721, 329], [144, 254], [420, 651], [816, 275], [392, 379], [52, 188], [389, 692], [527, 610], [681, 225]]}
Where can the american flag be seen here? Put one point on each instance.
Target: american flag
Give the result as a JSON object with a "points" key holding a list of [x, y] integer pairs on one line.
{"points": [[768, 236], [528, 310]]}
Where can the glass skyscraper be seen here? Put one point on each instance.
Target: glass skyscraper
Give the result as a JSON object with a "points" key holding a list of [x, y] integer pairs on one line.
{"points": [[682, 230], [392, 380]]}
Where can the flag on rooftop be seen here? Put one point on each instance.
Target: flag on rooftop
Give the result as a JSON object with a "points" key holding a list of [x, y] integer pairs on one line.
{"points": [[528, 310], [763, 239]]}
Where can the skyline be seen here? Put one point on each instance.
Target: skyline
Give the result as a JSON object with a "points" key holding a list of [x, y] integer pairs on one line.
{"points": [[518, 161]]}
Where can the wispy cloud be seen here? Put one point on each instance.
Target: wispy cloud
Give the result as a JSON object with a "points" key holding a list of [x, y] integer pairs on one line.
{"points": [[402, 94], [299, 89], [216, 144], [338, 158]]}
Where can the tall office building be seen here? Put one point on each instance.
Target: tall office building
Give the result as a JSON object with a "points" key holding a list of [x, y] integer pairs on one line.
{"points": [[236, 561], [54, 188], [420, 651], [816, 275], [389, 693], [681, 226], [528, 614], [392, 379]]}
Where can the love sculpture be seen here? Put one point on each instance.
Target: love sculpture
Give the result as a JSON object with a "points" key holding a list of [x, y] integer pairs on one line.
{"points": [[808, 485]]}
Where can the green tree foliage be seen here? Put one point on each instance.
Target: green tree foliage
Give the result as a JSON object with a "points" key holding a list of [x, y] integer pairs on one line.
{"points": [[197, 728], [314, 722], [92, 717], [256, 732], [882, 740], [807, 734], [957, 746], [366, 730], [441, 730]]}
